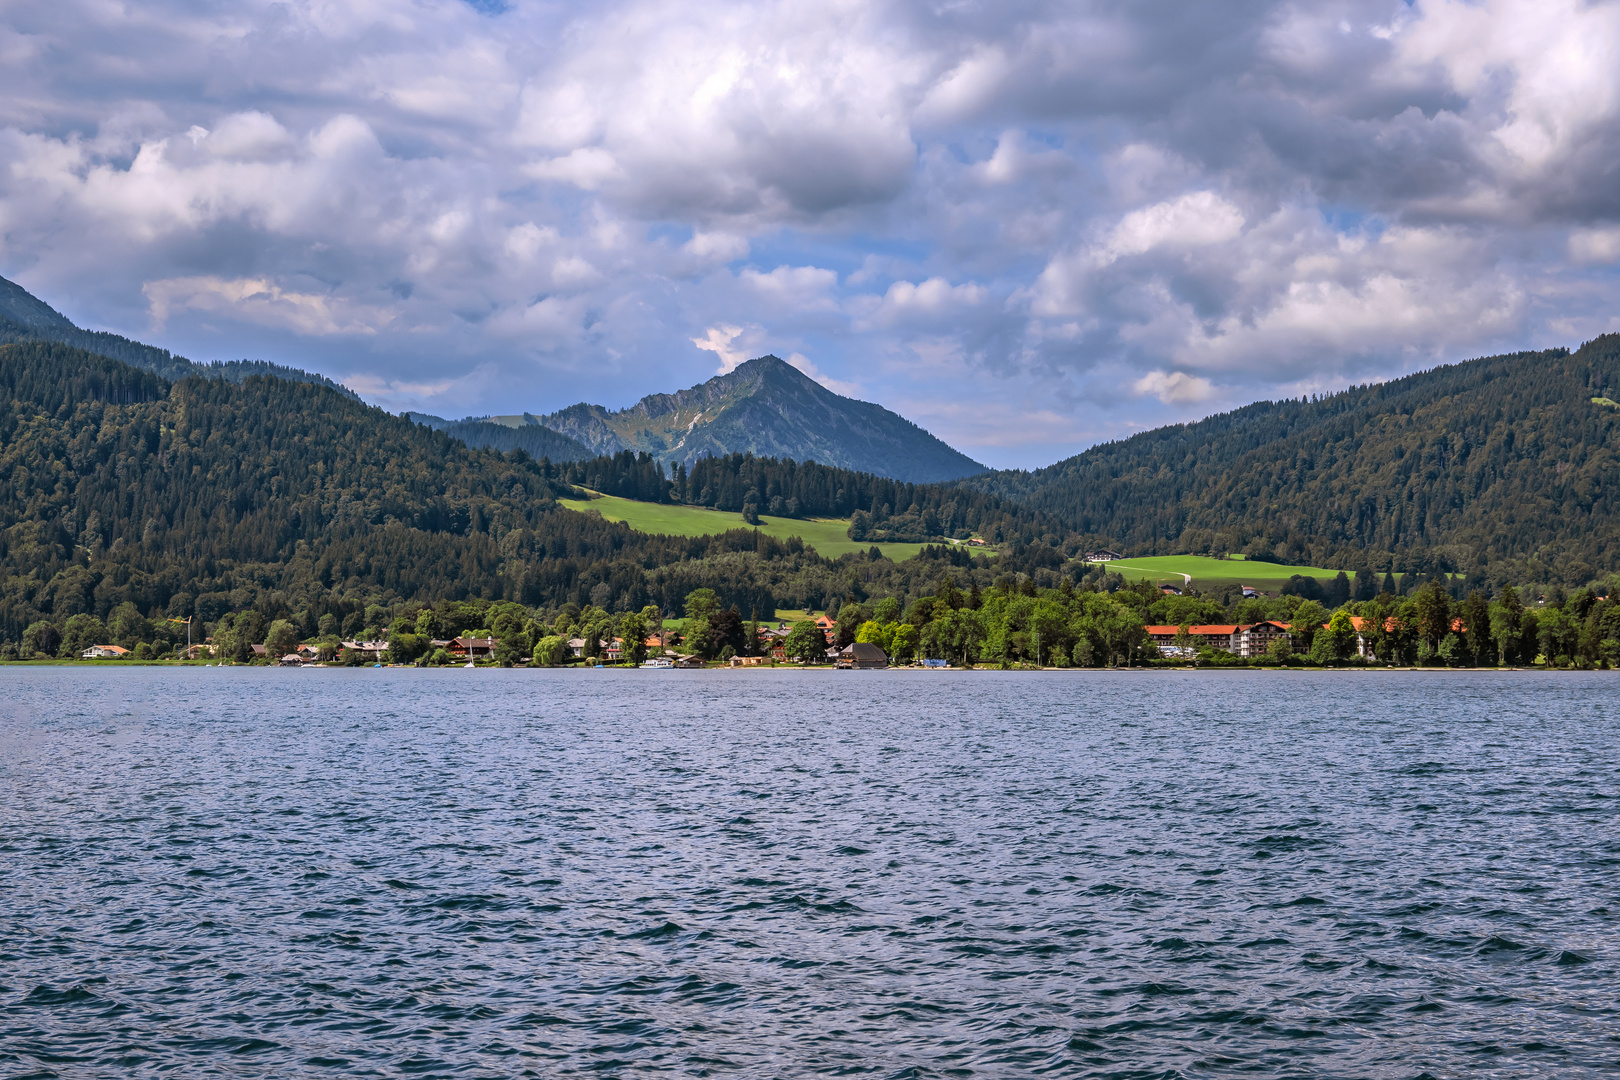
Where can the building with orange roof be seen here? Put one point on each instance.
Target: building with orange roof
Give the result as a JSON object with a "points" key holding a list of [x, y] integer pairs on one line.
{"points": [[1251, 639]]}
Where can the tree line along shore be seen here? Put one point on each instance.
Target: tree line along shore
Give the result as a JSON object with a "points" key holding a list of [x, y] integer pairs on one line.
{"points": [[1009, 622]]}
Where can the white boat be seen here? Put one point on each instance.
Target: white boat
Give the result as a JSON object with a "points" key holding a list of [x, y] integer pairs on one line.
{"points": [[469, 664], [658, 662]]}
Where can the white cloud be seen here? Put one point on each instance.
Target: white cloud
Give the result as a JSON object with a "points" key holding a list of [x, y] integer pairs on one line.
{"points": [[1175, 387], [800, 288], [589, 168], [718, 340], [1595, 245], [926, 302], [1081, 208], [1196, 219], [262, 302]]}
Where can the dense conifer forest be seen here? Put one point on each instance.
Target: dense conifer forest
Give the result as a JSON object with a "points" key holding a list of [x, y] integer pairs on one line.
{"points": [[1507, 467]]}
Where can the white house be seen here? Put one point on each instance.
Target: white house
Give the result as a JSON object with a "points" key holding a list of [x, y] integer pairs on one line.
{"points": [[104, 652]]}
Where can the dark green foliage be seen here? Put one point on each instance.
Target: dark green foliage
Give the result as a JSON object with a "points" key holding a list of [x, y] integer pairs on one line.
{"points": [[882, 509], [158, 361], [115, 487], [1501, 465]]}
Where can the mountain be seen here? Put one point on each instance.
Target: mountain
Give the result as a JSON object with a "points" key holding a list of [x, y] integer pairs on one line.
{"points": [[24, 317], [1506, 465], [768, 408], [503, 434]]}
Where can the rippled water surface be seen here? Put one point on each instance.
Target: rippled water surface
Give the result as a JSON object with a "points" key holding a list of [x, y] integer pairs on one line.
{"points": [[215, 872]]}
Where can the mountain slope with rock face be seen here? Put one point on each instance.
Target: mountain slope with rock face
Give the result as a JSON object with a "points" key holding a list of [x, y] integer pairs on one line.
{"points": [[768, 408]]}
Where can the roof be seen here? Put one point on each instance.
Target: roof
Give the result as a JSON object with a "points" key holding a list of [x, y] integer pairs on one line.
{"points": [[116, 650], [1194, 630], [473, 642], [864, 650]]}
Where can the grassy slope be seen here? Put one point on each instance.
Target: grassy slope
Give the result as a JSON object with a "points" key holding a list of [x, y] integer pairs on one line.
{"points": [[826, 536], [1207, 571]]}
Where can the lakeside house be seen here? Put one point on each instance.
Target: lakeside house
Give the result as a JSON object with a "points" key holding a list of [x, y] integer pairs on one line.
{"points": [[292, 659], [1250, 592], [1170, 590], [370, 650], [863, 655], [104, 652], [473, 648], [1103, 556]]}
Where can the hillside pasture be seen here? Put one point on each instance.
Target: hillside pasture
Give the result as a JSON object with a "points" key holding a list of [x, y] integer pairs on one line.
{"points": [[1208, 572], [829, 536]]}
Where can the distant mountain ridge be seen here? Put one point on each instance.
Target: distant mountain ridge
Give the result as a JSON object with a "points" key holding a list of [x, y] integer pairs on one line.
{"points": [[497, 433], [768, 408], [25, 317]]}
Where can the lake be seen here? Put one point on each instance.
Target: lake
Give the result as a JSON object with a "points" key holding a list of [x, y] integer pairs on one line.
{"points": [[363, 872]]}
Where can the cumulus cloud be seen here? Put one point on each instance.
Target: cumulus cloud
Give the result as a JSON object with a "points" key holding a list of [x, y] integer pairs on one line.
{"points": [[1175, 387], [718, 340], [257, 300], [1090, 215]]}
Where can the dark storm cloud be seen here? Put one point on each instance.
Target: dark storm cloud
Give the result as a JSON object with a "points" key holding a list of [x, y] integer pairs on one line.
{"points": [[1029, 225]]}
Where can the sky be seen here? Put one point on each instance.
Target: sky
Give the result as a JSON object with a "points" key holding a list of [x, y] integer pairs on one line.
{"points": [[1026, 226]]}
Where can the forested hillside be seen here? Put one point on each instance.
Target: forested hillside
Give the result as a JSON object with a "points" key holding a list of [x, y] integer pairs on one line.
{"points": [[119, 489], [1504, 466], [24, 317]]}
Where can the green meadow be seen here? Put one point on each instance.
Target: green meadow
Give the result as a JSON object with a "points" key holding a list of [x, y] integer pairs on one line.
{"points": [[828, 536], [1206, 571]]}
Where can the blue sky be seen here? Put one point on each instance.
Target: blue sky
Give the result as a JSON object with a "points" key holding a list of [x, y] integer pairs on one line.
{"points": [[1027, 226]]}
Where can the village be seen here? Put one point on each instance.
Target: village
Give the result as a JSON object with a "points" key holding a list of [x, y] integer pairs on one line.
{"points": [[774, 646]]}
